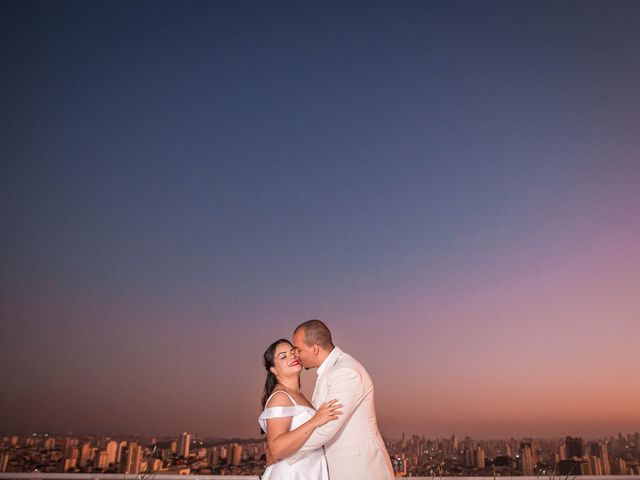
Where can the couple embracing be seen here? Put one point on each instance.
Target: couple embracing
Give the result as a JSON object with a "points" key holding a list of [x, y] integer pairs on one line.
{"points": [[334, 437]]}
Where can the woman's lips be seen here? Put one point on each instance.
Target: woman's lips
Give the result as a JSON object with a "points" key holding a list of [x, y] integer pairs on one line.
{"points": [[294, 363]]}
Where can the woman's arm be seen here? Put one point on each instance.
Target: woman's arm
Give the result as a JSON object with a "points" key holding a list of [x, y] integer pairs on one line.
{"points": [[284, 442]]}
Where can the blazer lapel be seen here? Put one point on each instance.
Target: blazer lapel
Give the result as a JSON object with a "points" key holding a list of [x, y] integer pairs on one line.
{"points": [[316, 393], [320, 390]]}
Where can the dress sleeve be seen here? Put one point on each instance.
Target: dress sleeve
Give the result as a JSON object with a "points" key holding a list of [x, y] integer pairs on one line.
{"points": [[275, 412]]}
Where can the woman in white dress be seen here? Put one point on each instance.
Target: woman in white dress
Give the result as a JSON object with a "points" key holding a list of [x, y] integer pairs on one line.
{"points": [[288, 418]]}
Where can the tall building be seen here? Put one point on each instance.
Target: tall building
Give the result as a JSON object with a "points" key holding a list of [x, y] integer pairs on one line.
{"points": [[399, 463], [112, 451], [101, 460], [155, 465], [185, 441], [50, 443], [235, 454], [596, 465], [479, 457], [70, 442], [214, 456], [133, 458], [621, 466], [120, 453], [468, 457], [574, 447], [585, 468], [224, 453], [85, 453], [71, 455], [4, 461], [562, 452], [601, 452], [526, 459], [568, 468], [69, 464], [507, 450]]}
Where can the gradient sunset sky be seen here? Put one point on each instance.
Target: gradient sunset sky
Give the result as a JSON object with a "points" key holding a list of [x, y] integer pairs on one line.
{"points": [[453, 187]]}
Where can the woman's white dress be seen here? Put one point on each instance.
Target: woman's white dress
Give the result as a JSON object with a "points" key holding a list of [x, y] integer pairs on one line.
{"points": [[314, 465]]}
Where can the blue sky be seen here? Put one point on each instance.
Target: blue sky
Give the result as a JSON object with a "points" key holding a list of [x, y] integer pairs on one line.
{"points": [[184, 180]]}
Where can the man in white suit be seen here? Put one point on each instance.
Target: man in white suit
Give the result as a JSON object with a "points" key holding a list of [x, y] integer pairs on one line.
{"points": [[352, 443]]}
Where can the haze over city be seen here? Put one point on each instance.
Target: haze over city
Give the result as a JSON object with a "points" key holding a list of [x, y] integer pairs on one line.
{"points": [[451, 186]]}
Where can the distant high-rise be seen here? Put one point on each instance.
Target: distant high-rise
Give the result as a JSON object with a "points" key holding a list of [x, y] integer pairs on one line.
{"points": [[621, 466], [468, 442], [112, 451], [71, 442], [600, 451], [69, 464], [185, 441], [526, 459], [224, 453], [585, 468], [155, 465], [234, 455], [562, 452], [237, 454], [85, 453], [101, 460], [574, 447], [479, 457], [214, 456], [399, 463], [4, 461], [71, 455], [468, 457], [120, 453], [133, 458], [568, 468]]}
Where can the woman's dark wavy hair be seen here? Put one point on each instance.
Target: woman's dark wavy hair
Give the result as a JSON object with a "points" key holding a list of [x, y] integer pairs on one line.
{"points": [[271, 381]]}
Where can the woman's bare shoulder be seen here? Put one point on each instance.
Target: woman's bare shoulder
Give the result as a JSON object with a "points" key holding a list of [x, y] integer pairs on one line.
{"points": [[279, 398]]}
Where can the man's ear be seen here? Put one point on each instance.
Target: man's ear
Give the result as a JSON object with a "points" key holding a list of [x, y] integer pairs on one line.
{"points": [[316, 350]]}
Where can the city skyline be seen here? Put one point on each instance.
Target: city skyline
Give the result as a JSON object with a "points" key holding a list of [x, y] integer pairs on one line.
{"points": [[452, 186], [412, 455], [194, 437]]}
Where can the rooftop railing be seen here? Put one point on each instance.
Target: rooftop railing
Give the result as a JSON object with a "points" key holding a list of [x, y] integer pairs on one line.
{"points": [[130, 476]]}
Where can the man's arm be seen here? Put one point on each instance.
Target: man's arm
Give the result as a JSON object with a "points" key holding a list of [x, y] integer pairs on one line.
{"points": [[346, 386]]}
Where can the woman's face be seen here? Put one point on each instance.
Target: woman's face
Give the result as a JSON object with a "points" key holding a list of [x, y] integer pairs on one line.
{"points": [[285, 360]]}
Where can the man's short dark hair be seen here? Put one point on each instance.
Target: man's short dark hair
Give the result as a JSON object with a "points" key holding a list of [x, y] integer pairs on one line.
{"points": [[316, 333]]}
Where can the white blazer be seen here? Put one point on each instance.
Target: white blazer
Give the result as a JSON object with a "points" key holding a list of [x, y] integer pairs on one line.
{"points": [[353, 445]]}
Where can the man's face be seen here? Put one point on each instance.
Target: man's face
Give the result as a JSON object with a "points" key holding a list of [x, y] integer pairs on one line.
{"points": [[307, 354]]}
